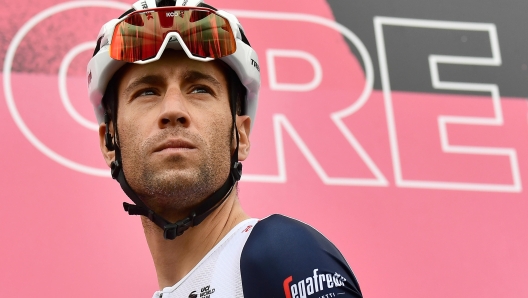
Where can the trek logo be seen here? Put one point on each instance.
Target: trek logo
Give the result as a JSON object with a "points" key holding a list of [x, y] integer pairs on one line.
{"points": [[312, 284], [255, 64], [145, 6]]}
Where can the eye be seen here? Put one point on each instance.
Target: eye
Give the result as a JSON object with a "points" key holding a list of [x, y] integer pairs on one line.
{"points": [[144, 93], [201, 89]]}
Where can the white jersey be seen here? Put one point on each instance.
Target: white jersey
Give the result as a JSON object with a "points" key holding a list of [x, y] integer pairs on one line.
{"points": [[218, 272], [273, 257]]}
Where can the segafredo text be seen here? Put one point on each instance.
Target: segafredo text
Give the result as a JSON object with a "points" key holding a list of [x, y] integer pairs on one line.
{"points": [[306, 287]]}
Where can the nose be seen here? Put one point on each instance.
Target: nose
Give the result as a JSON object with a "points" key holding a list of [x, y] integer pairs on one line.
{"points": [[173, 110]]}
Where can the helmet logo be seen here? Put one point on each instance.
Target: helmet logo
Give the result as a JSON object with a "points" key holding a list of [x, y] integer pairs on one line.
{"points": [[89, 78], [145, 6], [255, 64]]}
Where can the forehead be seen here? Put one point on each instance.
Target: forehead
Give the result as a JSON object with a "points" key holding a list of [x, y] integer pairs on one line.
{"points": [[173, 65]]}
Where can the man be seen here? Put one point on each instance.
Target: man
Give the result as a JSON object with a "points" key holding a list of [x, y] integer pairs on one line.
{"points": [[175, 91]]}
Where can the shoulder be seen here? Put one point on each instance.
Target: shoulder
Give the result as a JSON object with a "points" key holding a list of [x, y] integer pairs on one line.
{"points": [[278, 234], [283, 252]]}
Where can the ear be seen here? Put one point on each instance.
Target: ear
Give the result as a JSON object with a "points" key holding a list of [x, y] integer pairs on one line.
{"points": [[244, 126], [108, 155]]}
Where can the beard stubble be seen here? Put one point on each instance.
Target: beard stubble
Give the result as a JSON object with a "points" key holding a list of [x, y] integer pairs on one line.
{"points": [[173, 190]]}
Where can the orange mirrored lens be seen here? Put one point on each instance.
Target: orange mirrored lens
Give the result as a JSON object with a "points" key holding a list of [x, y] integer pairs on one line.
{"points": [[140, 35]]}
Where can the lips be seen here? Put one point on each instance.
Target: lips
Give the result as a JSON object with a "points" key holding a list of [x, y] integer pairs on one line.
{"points": [[175, 144]]}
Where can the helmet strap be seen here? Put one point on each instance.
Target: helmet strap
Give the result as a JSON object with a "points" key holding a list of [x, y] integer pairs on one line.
{"points": [[173, 229]]}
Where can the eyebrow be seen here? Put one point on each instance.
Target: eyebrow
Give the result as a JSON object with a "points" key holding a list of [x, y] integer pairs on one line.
{"points": [[193, 76]]}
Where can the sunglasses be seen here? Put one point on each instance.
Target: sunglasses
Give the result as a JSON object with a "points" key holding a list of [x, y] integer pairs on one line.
{"points": [[142, 36]]}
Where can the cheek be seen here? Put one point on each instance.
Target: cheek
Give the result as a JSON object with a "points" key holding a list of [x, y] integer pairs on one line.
{"points": [[217, 129], [135, 122], [130, 131]]}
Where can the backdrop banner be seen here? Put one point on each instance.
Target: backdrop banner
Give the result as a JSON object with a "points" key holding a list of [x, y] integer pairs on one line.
{"points": [[398, 129]]}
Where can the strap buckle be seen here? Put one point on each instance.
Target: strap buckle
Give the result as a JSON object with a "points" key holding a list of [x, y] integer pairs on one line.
{"points": [[115, 169], [236, 170], [171, 231]]}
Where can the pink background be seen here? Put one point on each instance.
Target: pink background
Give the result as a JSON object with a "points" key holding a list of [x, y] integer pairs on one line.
{"points": [[64, 232]]}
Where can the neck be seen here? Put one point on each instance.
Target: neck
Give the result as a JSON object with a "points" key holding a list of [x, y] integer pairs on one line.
{"points": [[173, 259]]}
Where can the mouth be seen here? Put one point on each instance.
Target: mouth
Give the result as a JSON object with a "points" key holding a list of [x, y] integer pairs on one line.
{"points": [[174, 145]]}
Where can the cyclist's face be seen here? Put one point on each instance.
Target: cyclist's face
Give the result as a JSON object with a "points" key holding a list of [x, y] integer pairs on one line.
{"points": [[174, 125]]}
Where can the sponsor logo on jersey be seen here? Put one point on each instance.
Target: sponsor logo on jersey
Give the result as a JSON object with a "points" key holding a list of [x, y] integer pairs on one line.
{"points": [[206, 292], [304, 288], [247, 229]]}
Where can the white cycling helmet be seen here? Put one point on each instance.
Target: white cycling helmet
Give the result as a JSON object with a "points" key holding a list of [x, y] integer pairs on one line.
{"points": [[243, 61]]}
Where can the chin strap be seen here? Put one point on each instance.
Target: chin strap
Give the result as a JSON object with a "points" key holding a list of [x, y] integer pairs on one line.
{"points": [[172, 230]]}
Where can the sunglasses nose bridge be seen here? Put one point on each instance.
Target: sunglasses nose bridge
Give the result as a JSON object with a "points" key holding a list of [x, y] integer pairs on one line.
{"points": [[172, 37], [173, 40], [176, 42]]}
